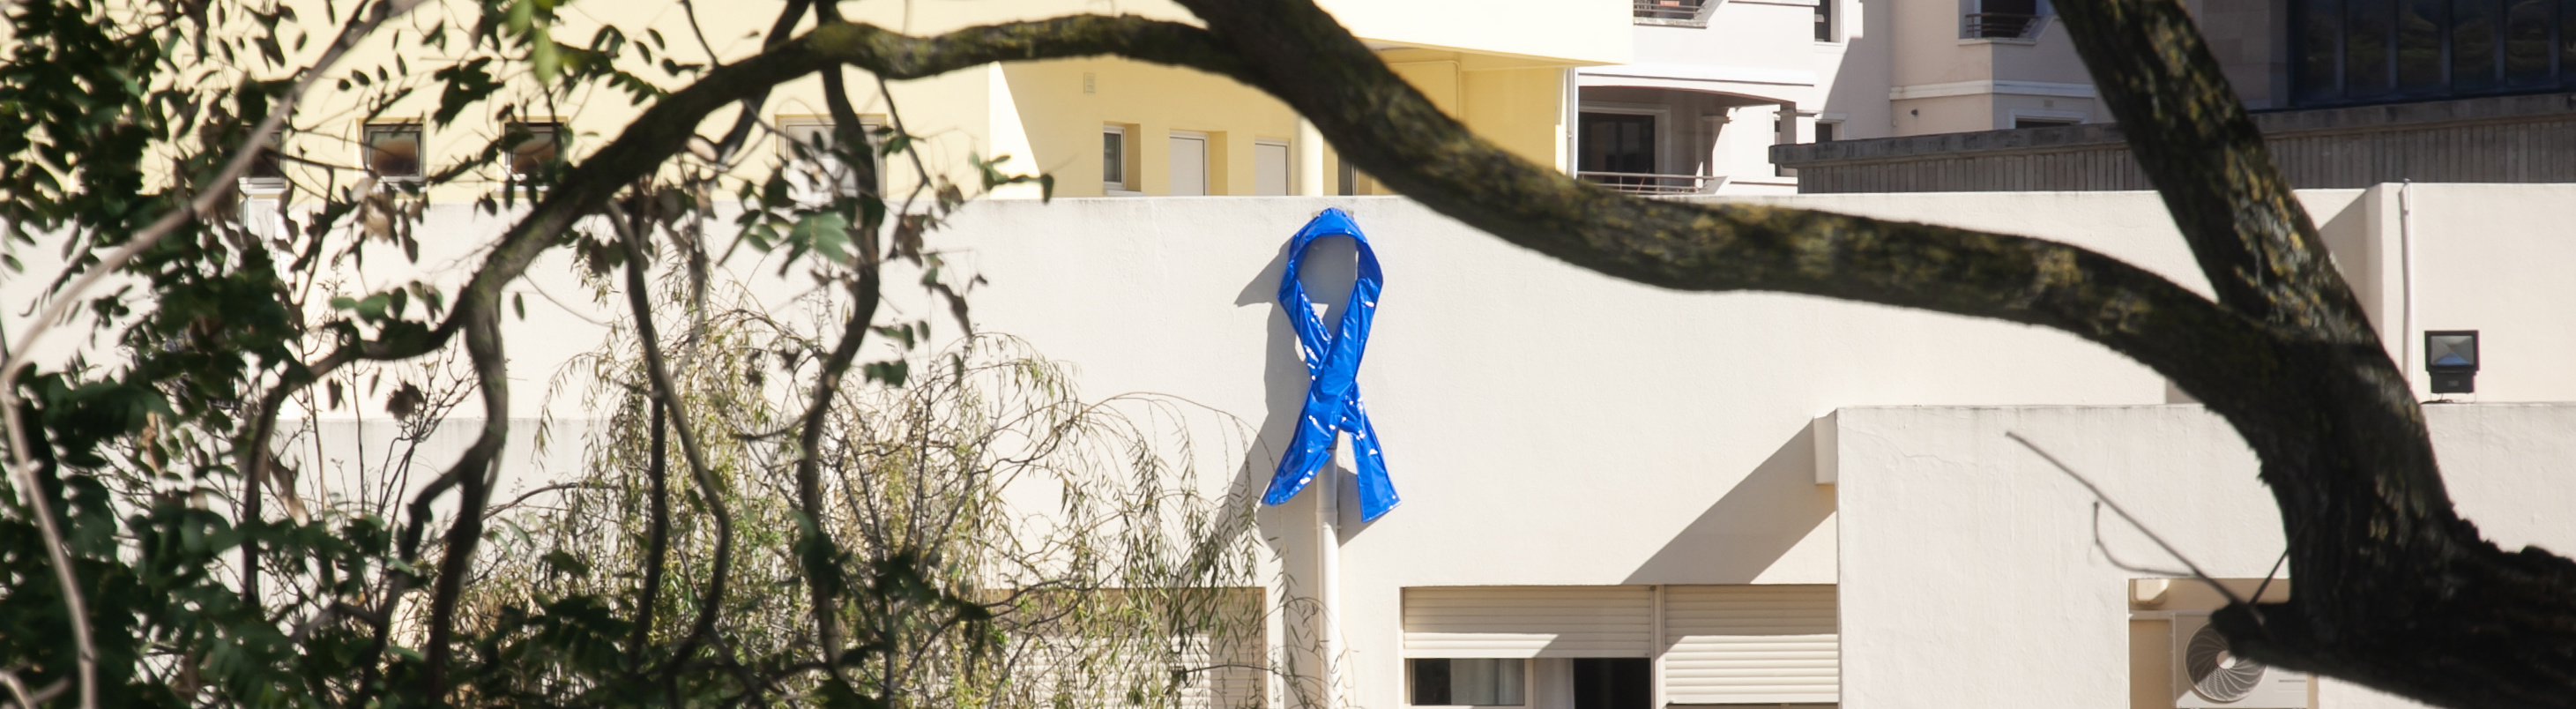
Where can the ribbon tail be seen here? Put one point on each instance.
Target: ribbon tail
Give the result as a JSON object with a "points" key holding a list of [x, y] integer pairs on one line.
{"points": [[1377, 491], [1310, 448]]}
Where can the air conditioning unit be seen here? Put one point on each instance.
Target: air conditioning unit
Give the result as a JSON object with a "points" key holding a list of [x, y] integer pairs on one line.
{"points": [[2207, 673]]}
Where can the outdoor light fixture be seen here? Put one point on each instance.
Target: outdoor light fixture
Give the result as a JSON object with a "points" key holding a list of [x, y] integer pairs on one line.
{"points": [[2452, 358]]}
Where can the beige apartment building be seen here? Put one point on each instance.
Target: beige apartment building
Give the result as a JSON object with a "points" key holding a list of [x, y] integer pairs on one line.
{"points": [[1103, 126], [2350, 93]]}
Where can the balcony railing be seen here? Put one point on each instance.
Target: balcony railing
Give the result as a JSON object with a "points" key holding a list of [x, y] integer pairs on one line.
{"points": [[1685, 13], [1651, 183], [2001, 25]]}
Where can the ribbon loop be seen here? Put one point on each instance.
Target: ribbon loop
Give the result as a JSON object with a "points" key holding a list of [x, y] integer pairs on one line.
{"points": [[1333, 362]]}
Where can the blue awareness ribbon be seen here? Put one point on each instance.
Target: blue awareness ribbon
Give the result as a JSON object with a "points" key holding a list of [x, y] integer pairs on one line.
{"points": [[1333, 362]]}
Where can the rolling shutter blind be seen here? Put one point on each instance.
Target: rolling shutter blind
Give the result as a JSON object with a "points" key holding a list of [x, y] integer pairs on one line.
{"points": [[1529, 621], [1751, 645]]}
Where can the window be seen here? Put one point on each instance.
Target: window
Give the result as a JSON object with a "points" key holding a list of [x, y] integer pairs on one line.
{"points": [[1613, 683], [1118, 158], [1825, 21], [1826, 131], [2366, 51], [1469, 681], [532, 147], [2005, 19], [816, 164], [2042, 122], [1189, 163], [392, 150], [1616, 143], [1270, 173]]}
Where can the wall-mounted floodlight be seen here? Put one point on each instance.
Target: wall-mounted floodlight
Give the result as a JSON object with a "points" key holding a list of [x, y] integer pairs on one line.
{"points": [[2452, 358]]}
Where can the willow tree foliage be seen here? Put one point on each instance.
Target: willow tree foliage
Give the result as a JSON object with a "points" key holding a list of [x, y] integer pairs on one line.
{"points": [[143, 565]]}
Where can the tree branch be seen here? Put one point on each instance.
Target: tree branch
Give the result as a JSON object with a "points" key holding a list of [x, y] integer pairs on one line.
{"points": [[473, 473], [639, 295], [657, 540]]}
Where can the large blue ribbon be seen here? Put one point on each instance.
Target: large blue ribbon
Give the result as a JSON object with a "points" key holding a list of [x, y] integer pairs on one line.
{"points": [[1333, 361]]}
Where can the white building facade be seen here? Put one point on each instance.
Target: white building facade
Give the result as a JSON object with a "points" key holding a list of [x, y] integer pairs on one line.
{"points": [[1618, 496]]}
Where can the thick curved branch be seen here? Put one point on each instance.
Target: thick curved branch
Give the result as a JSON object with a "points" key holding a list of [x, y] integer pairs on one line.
{"points": [[639, 295], [2204, 155], [473, 474]]}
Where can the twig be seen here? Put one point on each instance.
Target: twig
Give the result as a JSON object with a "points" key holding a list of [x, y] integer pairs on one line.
{"points": [[2106, 500], [523, 497], [2115, 558]]}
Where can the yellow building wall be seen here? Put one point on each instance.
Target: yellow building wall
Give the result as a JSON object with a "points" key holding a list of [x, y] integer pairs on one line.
{"points": [[1518, 104], [1064, 104], [1040, 109]]}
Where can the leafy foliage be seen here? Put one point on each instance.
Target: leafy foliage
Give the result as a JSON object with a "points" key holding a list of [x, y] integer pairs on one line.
{"points": [[220, 567]]}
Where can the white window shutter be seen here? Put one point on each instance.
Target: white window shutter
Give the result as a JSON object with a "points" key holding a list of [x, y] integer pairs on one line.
{"points": [[1529, 621], [1751, 645]]}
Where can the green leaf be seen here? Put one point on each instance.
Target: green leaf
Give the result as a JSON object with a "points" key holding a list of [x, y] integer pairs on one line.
{"points": [[892, 373], [827, 233], [565, 563], [519, 302], [544, 54], [373, 308]]}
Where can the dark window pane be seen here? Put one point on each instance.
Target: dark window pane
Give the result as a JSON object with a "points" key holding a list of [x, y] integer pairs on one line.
{"points": [[1825, 20], [536, 146], [1431, 682], [2419, 45], [1612, 683], [2473, 44], [267, 165], [2567, 42], [2526, 42], [2366, 38], [1113, 157], [1617, 142], [2320, 32]]}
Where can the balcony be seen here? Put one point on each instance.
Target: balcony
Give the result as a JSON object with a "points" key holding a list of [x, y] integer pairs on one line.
{"points": [[2001, 25], [1647, 183], [1674, 13]]}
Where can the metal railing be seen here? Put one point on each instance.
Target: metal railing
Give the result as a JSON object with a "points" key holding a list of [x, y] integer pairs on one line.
{"points": [[1653, 183], [1671, 12], [2000, 25]]}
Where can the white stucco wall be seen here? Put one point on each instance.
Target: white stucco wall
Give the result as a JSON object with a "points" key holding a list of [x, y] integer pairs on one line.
{"points": [[1546, 425], [1549, 425], [1970, 576]]}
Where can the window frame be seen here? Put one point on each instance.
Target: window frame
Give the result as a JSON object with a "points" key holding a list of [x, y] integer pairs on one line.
{"points": [[790, 147], [1664, 128], [554, 132], [1128, 184], [367, 133]]}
